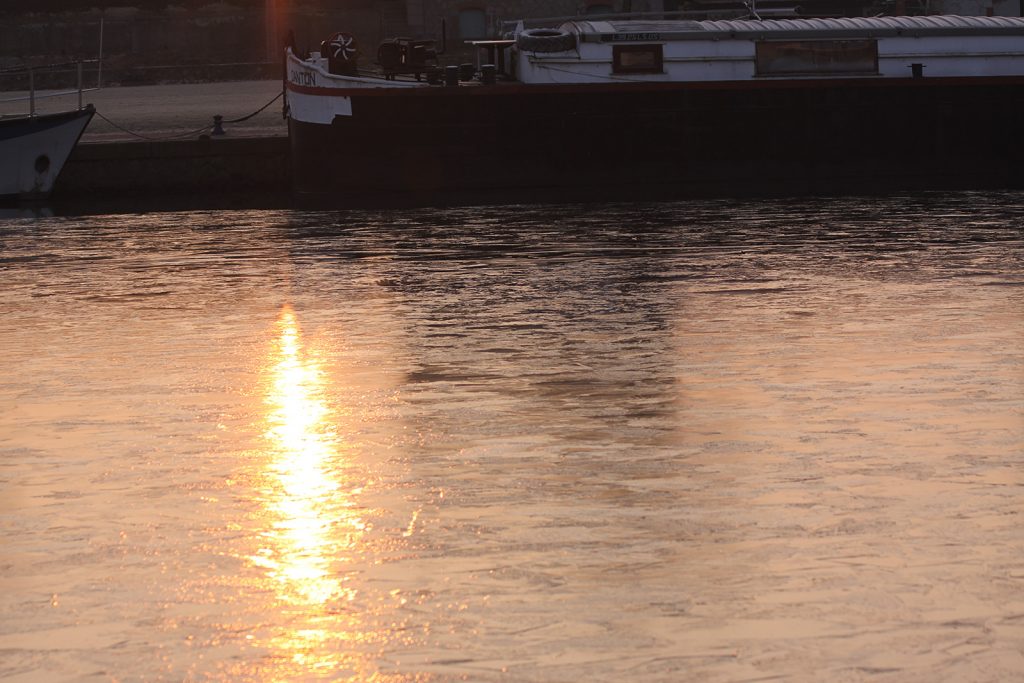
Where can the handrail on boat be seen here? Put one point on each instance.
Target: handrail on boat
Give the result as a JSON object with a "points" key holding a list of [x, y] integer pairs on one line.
{"points": [[31, 72], [43, 96]]}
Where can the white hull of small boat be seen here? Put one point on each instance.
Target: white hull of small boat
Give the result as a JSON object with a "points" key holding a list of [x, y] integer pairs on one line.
{"points": [[34, 149]]}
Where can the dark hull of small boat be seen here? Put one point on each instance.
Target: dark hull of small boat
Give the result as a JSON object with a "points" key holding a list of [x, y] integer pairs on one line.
{"points": [[667, 140]]}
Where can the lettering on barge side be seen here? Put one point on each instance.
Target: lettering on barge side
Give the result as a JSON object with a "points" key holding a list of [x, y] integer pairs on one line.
{"points": [[302, 77], [629, 37]]}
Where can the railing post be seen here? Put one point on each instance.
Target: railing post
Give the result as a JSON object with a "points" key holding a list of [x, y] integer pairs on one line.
{"points": [[99, 67], [31, 93], [79, 85]]}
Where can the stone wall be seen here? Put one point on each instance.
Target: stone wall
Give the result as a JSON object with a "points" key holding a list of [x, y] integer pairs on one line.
{"points": [[226, 33], [498, 11], [1005, 8], [222, 36], [214, 34]]}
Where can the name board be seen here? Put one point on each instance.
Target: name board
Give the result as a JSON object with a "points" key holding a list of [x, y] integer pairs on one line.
{"points": [[302, 77], [630, 37]]}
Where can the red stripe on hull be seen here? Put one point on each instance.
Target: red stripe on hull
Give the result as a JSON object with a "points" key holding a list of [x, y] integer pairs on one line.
{"points": [[521, 89]]}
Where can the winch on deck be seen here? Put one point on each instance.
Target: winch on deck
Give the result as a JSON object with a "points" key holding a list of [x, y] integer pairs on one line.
{"points": [[406, 56]]}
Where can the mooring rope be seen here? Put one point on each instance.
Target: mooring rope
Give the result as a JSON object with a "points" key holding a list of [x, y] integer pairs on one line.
{"points": [[151, 137], [246, 118], [187, 133]]}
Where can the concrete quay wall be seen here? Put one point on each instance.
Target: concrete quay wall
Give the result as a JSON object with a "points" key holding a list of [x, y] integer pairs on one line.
{"points": [[207, 166]]}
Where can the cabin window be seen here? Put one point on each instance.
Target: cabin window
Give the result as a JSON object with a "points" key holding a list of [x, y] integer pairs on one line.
{"points": [[637, 59], [472, 24], [805, 57]]}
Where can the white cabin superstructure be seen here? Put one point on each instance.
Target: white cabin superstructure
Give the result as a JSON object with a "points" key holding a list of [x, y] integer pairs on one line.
{"points": [[737, 50]]}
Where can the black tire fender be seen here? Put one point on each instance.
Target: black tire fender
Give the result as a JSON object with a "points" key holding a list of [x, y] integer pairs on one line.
{"points": [[545, 40]]}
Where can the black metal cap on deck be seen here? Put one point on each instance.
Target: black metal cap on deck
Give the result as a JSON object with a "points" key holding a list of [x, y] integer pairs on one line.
{"points": [[451, 76]]}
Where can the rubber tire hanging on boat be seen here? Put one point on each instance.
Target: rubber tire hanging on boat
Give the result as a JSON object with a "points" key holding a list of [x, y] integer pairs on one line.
{"points": [[546, 40]]}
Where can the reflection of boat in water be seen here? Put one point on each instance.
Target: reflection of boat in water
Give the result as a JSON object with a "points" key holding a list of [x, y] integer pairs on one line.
{"points": [[35, 146], [33, 150], [688, 106]]}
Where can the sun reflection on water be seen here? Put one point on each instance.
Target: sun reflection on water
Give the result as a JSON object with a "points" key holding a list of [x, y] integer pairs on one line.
{"points": [[311, 522]]}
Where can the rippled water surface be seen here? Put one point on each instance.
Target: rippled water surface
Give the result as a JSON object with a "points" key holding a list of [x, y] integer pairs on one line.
{"points": [[707, 441]]}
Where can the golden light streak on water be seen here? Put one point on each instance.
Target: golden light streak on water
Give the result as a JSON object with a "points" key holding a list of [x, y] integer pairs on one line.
{"points": [[311, 522]]}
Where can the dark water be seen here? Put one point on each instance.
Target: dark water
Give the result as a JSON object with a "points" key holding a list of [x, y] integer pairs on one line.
{"points": [[653, 442]]}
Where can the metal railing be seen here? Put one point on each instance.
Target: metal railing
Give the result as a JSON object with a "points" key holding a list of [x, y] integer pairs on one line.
{"points": [[31, 72]]}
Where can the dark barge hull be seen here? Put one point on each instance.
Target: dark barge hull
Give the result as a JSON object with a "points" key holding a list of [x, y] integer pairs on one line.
{"points": [[670, 140]]}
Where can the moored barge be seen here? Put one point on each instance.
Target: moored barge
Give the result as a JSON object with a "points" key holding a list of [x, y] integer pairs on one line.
{"points": [[670, 107]]}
